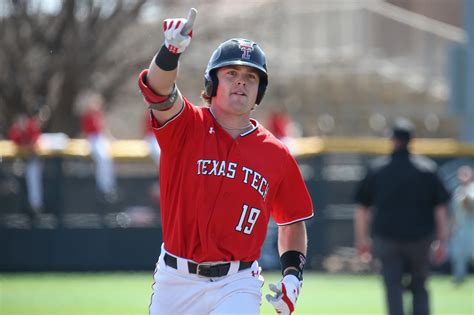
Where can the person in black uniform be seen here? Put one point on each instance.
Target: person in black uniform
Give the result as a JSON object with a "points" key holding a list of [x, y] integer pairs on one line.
{"points": [[404, 201]]}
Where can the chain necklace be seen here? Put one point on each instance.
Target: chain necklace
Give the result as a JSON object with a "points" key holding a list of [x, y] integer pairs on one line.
{"points": [[229, 128]]}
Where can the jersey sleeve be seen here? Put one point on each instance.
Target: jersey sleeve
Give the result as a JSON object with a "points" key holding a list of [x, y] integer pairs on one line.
{"points": [[363, 192], [292, 201], [172, 134], [442, 194]]}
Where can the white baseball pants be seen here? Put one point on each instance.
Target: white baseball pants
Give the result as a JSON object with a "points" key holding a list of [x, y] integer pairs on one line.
{"points": [[34, 182], [104, 174], [176, 291]]}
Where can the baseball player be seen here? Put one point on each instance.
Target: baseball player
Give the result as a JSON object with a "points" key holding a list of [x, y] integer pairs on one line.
{"points": [[93, 127], [222, 177], [25, 133]]}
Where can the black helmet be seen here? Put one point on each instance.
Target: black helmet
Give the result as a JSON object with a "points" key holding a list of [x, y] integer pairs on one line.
{"points": [[236, 51]]}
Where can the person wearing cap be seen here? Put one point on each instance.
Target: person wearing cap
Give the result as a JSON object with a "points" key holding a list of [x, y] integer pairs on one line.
{"points": [[223, 176], [402, 219]]}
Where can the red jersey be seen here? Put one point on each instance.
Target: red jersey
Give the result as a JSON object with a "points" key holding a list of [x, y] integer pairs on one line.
{"points": [[218, 193], [147, 128], [26, 135], [278, 124], [92, 122]]}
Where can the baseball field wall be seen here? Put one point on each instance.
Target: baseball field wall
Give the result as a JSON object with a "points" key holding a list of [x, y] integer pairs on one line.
{"points": [[80, 230]]}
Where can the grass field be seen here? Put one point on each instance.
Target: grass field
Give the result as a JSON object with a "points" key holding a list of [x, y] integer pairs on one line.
{"points": [[128, 293]]}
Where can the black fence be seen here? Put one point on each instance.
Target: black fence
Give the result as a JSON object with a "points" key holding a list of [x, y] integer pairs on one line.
{"points": [[79, 230]]}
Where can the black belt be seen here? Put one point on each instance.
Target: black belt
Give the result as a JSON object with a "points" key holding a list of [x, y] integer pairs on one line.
{"points": [[206, 269]]}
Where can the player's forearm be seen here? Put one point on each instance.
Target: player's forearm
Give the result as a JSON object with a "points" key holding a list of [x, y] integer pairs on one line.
{"points": [[361, 224], [159, 80], [292, 244], [292, 237]]}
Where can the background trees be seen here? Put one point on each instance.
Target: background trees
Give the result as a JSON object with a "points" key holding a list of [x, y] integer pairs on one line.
{"points": [[50, 55]]}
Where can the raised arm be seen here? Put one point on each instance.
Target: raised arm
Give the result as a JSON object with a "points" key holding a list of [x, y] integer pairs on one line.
{"points": [[158, 82]]}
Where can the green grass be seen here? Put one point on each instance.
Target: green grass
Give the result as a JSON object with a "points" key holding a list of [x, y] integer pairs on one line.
{"points": [[129, 293]]}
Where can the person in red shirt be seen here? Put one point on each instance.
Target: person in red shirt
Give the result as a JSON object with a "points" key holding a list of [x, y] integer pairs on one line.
{"points": [[25, 132], [222, 177], [281, 126], [93, 127], [279, 123]]}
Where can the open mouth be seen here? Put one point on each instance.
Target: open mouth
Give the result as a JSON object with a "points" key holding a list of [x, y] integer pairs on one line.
{"points": [[239, 93]]}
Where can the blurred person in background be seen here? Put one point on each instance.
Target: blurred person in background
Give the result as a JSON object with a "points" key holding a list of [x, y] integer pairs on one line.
{"points": [[281, 126], [404, 201], [25, 132], [93, 128], [462, 230]]}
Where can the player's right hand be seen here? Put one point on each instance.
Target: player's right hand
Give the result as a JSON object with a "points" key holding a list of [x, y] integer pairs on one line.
{"points": [[178, 32], [286, 293]]}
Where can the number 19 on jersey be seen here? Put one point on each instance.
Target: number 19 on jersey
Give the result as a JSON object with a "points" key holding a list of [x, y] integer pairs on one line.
{"points": [[247, 221]]}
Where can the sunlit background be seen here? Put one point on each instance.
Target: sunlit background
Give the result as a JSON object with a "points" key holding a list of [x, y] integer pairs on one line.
{"points": [[341, 70]]}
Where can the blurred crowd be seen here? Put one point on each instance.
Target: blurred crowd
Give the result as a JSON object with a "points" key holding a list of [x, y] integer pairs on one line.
{"points": [[26, 133]]}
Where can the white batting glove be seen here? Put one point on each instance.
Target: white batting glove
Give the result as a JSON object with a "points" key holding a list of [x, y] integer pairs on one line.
{"points": [[176, 40], [286, 294]]}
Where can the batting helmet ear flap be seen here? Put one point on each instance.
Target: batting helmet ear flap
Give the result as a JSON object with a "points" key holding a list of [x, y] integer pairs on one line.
{"points": [[210, 83], [262, 87]]}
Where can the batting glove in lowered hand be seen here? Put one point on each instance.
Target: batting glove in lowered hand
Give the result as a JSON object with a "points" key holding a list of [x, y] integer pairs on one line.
{"points": [[286, 294], [176, 40]]}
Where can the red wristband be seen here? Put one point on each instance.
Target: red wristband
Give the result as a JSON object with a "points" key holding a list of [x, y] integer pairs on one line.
{"points": [[149, 95]]}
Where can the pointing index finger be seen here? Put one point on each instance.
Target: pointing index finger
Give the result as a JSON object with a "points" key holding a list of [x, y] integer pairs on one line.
{"points": [[190, 22]]}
